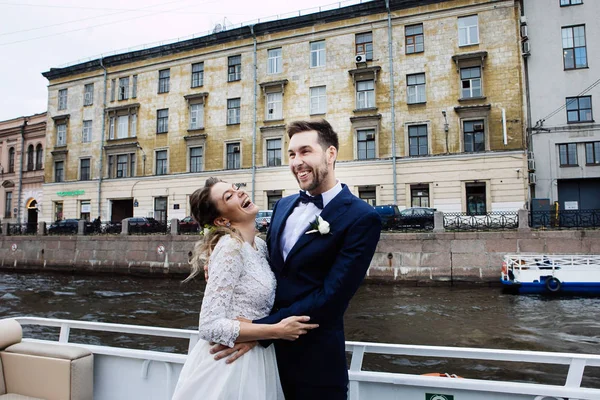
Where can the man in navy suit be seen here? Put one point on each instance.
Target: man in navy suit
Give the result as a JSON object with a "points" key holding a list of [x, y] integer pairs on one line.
{"points": [[321, 242]]}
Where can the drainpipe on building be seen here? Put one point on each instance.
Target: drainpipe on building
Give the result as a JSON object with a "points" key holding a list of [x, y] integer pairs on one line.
{"points": [[392, 100], [254, 119], [21, 170], [102, 141], [528, 130]]}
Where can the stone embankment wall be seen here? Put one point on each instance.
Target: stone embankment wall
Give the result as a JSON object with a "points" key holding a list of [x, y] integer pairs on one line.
{"points": [[400, 257]]}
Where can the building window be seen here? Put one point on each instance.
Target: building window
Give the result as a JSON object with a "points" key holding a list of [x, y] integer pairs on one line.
{"points": [[416, 88], [468, 30], [470, 82], [234, 68], [85, 208], [162, 120], [567, 154], [113, 89], [368, 194], [196, 159], [58, 210], [233, 111], [419, 195], [197, 74], [30, 158], [86, 136], [164, 78], [417, 140], [364, 44], [84, 169], [574, 47], [134, 87], [121, 165], [123, 88], [196, 116], [161, 162], [274, 109], [318, 100], [579, 109], [8, 205], [273, 152], [365, 94], [476, 198], [414, 39], [272, 198], [62, 99], [274, 61], [592, 153], [88, 94], [122, 126], [233, 155], [160, 209], [61, 135], [59, 169], [564, 3], [11, 159], [39, 157], [317, 54], [474, 136], [365, 144]]}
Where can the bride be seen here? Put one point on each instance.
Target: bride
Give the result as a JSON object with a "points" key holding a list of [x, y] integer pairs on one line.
{"points": [[241, 288]]}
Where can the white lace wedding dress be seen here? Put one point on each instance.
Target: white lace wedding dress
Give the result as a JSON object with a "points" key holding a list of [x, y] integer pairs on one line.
{"points": [[240, 284]]}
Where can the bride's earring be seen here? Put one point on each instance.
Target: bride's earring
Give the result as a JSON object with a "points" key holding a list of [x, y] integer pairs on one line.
{"points": [[228, 225]]}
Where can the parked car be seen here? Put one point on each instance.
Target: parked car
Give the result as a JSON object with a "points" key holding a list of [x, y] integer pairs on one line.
{"points": [[112, 227], [66, 226], [416, 217], [188, 224], [263, 220], [145, 225], [389, 214], [158, 226]]}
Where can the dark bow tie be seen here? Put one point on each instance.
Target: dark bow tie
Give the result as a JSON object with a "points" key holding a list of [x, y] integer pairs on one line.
{"points": [[316, 200]]}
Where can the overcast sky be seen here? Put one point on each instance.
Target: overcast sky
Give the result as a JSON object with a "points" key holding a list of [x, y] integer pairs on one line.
{"points": [[36, 35]]}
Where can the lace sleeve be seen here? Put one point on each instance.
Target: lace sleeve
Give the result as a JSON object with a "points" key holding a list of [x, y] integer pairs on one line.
{"points": [[224, 269]]}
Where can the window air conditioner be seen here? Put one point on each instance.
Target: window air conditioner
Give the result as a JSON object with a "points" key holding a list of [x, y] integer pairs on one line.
{"points": [[523, 20], [236, 149], [370, 136], [531, 165], [524, 31], [526, 48], [361, 58], [532, 178], [478, 127]]}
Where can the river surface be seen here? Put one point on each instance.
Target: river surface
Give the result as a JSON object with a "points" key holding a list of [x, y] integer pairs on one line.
{"points": [[469, 316]]}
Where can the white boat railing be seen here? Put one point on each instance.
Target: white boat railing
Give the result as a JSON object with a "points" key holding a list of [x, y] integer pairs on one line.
{"points": [[549, 262], [361, 380]]}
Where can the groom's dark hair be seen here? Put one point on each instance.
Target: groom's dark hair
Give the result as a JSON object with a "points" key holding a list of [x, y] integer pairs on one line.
{"points": [[327, 136]]}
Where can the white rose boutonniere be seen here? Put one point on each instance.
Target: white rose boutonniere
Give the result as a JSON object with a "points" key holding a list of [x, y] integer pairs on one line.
{"points": [[319, 225]]}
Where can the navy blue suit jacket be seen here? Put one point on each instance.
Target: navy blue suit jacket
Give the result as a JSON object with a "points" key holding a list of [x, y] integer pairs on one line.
{"points": [[318, 278]]}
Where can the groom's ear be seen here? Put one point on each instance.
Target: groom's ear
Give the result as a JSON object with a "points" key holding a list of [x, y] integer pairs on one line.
{"points": [[331, 154]]}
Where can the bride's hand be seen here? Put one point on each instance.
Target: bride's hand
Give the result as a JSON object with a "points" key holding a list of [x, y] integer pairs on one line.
{"points": [[291, 328]]}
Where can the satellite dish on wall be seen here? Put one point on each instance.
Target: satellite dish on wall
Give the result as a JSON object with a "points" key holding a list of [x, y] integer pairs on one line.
{"points": [[218, 28]]}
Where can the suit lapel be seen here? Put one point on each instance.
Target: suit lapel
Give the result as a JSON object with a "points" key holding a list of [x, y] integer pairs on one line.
{"points": [[335, 209], [278, 225]]}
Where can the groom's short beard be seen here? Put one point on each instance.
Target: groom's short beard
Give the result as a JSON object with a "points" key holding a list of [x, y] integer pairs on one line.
{"points": [[320, 174]]}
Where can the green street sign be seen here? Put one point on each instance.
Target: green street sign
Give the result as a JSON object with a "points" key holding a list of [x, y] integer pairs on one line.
{"points": [[433, 396], [70, 193]]}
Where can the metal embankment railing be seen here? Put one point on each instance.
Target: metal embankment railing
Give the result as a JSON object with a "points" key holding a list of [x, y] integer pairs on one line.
{"points": [[497, 220], [565, 219]]}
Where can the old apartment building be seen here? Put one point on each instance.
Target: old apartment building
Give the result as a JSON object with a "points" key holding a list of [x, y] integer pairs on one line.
{"points": [[564, 80], [22, 143], [425, 95]]}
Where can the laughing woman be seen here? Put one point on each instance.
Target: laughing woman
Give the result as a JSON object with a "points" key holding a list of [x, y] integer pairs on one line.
{"points": [[241, 288]]}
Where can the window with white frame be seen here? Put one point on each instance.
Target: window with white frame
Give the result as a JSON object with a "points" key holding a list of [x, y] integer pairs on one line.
{"points": [[417, 140], [122, 126], [134, 87], [474, 136], [62, 99], [233, 155], [59, 171], [318, 100], [364, 44], [164, 78], [274, 61], [274, 108], [197, 74], [123, 88], [61, 135], [8, 205], [113, 89], [414, 39], [84, 169], [86, 136], [365, 94], [470, 79], [365, 144], [273, 152], [317, 54], [162, 120], [39, 157], [196, 116], [468, 30], [196, 155], [234, 68], [161, 162], [574, 47], [88, 94], [415, 88], [233, 111]]}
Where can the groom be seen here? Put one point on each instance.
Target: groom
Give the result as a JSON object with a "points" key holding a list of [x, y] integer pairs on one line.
{"points": [[319, 263]]}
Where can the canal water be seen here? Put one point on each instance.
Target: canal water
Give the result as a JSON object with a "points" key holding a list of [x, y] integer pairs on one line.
{"points": [[469, 316]]}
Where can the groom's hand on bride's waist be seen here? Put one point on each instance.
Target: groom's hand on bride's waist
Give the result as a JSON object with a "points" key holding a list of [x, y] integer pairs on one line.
{"points": [[239, 349]]}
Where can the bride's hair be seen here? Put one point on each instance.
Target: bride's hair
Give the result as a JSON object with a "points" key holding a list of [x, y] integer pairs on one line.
{"points": [[205, 211]]}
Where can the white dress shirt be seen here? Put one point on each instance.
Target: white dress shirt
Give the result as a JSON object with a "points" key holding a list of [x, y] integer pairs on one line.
{"points": [[302, 216]]}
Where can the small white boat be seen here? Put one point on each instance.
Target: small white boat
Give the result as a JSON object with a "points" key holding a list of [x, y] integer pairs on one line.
{"points": [[544, 273], [131, 374]]}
